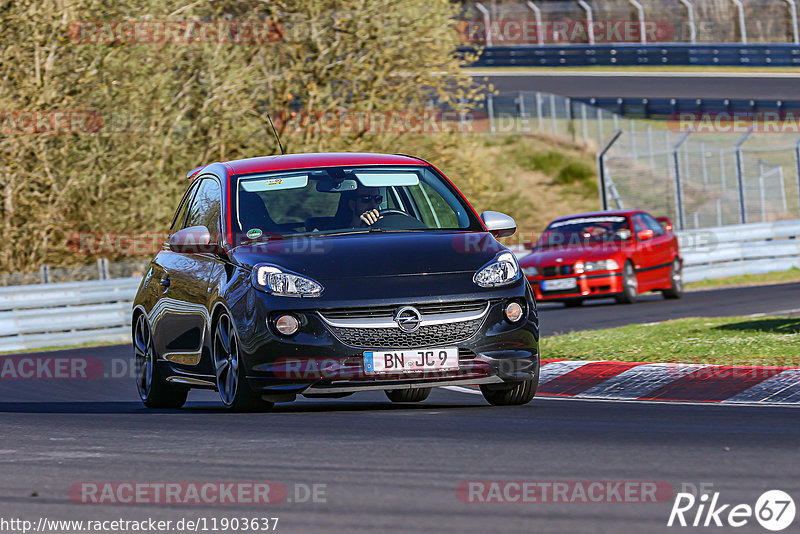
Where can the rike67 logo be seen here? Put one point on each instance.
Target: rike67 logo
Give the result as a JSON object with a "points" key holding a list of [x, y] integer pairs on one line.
{"points": [[774, 510]]}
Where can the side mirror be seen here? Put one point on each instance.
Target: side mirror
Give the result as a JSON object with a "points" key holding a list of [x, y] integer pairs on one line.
{"points": [[665, 222], [644, 235], [499, 224], [193, 240]]}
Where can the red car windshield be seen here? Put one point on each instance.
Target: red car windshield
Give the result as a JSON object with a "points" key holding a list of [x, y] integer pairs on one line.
{"points": [[586, 230]]}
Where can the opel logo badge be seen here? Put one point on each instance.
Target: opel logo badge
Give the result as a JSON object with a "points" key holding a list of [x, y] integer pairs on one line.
{"points": [[408, 318]]}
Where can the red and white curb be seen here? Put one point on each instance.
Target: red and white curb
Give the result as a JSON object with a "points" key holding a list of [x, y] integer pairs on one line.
{"points": [[680, 382]]}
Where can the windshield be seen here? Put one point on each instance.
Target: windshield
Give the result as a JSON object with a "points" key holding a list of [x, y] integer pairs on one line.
{"points": [[348, 199], [586, 230]]}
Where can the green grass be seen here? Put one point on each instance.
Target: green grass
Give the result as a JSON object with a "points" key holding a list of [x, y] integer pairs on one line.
{"points": [[722, 341], [792, 275]]}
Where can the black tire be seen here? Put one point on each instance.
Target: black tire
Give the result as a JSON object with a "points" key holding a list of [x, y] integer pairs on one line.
{"points": [[514, 394], [408, 395], [154, 390], [574, 303], [630, 285], [675, 290], [229, 370]]}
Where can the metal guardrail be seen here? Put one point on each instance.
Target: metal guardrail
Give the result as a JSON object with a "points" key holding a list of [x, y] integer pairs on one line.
{"points": [[49, 315], [753, 55], [740, 249]]}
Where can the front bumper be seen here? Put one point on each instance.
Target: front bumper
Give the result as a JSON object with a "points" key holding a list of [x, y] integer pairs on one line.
{"points": [[588, 286], [316, 361]]}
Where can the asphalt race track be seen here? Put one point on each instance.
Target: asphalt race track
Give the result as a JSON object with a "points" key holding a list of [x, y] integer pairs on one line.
{"points": [[597, 84], [384, 467]]}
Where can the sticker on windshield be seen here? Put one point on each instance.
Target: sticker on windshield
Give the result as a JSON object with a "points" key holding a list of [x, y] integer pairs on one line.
{"points": [[253, 233], [262, 184], [584, 220]]}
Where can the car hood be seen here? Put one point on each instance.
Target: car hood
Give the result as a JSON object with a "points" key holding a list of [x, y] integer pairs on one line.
{"points": [[572, 254], [374, 254]]}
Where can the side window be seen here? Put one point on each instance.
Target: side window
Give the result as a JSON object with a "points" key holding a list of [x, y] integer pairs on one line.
{"points": [[205, 208], [638, 223], [180, 216], [654, 225], [435, 211]]}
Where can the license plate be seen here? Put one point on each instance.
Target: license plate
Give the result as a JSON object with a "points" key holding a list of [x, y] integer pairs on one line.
{"points": [[410, 361], [559, 284]]}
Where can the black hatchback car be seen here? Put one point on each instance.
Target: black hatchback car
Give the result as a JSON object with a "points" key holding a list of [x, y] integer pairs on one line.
{"points": [[329, 274]]}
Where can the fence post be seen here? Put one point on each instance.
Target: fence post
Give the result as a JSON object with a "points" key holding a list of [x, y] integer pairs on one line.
{"points": [[640, 11], [719, 212], [487, 23], [524, 116], [742, 28], [589, 20], [793, 11], [797, 164], [490, 109], [722, 169], [44, 274], [553, 113], [570, 118], [762, 192], [783, 189], [600, 128], [585, 126], [678, 190], [601, 169], [650, 148], [102, 269], [633, 140], [537, 13], [690, 20], [539, 110], [740, 177], [703, 162]]}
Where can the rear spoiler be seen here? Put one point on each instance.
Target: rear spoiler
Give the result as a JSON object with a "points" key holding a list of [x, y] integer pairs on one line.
{"points": [[665, 222]]}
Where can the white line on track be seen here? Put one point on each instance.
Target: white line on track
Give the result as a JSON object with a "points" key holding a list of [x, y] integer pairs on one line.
{"points": [[635, 74]]}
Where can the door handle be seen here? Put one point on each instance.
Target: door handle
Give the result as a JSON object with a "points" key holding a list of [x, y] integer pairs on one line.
{"points": [[165, 282]]}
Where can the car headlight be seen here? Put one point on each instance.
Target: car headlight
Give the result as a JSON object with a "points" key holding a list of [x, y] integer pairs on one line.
{"points": [[602, 265], [275, 280], [501, 271], [530, 271]]}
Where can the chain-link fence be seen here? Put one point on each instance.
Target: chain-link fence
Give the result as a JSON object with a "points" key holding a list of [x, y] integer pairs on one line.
{"points": [[699, 180]]}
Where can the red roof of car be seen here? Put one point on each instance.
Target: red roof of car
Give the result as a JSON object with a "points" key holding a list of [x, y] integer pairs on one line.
{"points": [[324, 159]]}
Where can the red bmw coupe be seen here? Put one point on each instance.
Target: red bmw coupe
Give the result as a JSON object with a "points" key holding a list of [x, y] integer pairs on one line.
{"points": [[615, 254]]}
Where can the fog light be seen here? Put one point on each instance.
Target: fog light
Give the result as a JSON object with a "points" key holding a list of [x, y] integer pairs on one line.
{"points": [[514, 312], [287, 324]]}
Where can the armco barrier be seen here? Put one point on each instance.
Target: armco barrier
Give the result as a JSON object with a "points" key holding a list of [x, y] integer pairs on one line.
{"points": [[48, 315], [753, 55], [740, 249]]}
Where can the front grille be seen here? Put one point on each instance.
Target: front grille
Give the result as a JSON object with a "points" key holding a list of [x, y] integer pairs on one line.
{"points": [[388, 311], [558, 270], [394, 338]]}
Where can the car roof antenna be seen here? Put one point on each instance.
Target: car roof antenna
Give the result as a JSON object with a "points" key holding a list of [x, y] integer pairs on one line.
{"points": [[276, 134]]}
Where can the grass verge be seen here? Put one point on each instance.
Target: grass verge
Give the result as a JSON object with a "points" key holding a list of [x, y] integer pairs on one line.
{"points": [[779, 277], [719, 341]]}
